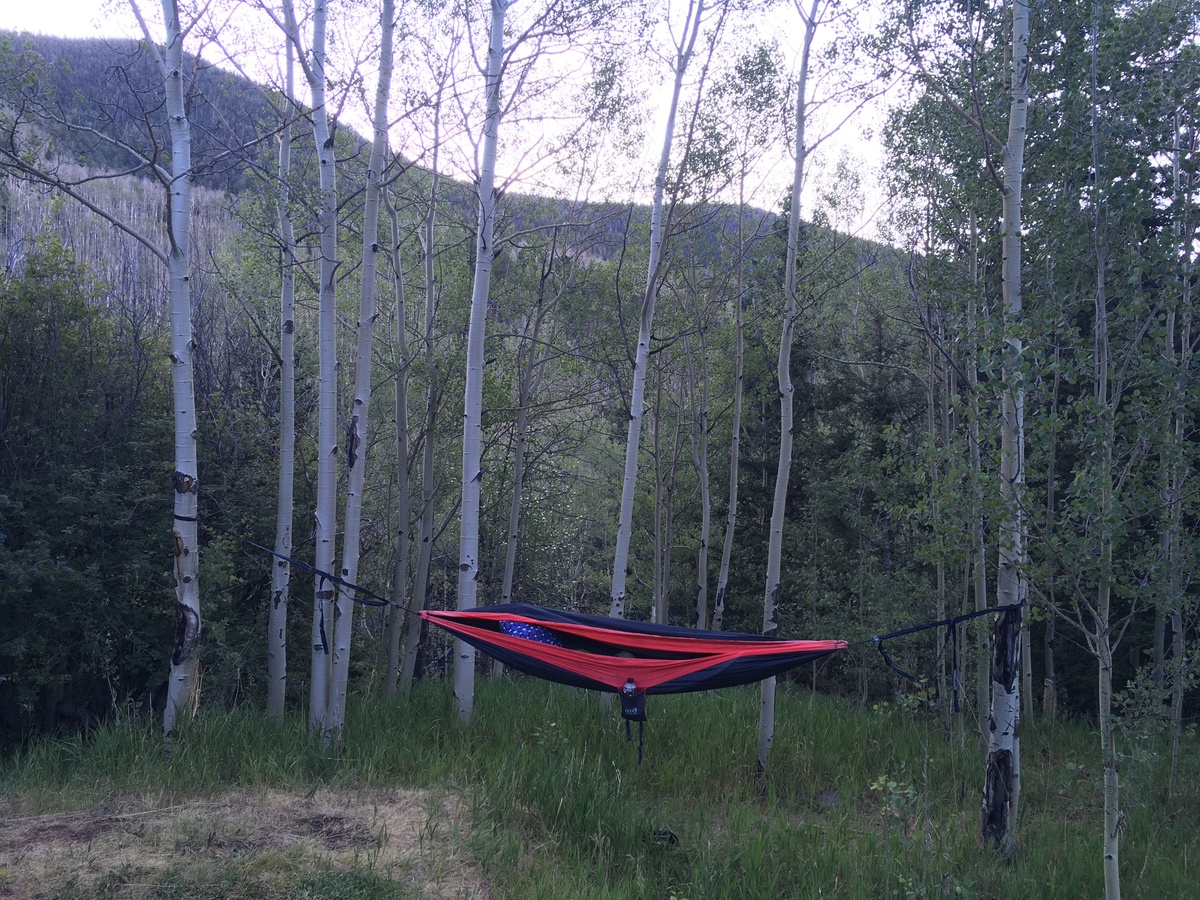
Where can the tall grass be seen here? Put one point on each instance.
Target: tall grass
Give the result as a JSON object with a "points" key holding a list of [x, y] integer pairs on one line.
{"points": [[857, 803]]}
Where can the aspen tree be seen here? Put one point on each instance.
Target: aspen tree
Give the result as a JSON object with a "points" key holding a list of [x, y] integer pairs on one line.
{"points": [[472, 464], [766, 719], [281, 568], [357, 428], [325, 516], [660, 228]]}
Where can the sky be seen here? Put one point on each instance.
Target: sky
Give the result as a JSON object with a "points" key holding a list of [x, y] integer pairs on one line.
{"points": [[111, 18], [66, 18]]}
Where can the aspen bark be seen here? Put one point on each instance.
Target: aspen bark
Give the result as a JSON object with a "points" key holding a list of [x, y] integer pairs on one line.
{"points": [[735, 440], [325, 515], [281, 569], [400, 570], [978, 545], [683, 56], [1050, 681], [766, 718], [1182, 363], [1101, 637], [1000, 806], [357, 430], [472, 468], [412, 641], [182, 683], [698, 401], [538, 352]]}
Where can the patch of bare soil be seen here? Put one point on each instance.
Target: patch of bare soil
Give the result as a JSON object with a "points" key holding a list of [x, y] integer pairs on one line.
{"points": [[413, 837]]}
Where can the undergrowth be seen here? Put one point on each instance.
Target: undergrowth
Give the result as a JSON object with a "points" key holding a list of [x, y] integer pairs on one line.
{"points": [[858, 802]]}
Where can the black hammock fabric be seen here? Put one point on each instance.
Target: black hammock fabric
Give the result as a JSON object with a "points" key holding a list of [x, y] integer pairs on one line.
{"points": [[605, 654]]}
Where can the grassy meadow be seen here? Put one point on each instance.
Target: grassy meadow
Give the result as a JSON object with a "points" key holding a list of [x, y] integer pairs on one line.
{"points": [[541, 797]]}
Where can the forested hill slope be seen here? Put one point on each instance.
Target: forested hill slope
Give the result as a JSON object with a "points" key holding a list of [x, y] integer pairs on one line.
{"points": [[89, 87], [93, 86]]}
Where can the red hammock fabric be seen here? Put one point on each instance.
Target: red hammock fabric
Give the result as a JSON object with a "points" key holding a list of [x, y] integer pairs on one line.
{"points": [[603, 654]]}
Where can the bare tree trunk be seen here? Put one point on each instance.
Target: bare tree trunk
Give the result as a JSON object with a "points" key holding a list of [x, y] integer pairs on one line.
{"points": [[400, 581], [661, 596], [935, 475], [182, 685], [1050, 683], [978, 545], [1101, 637], [698, 401], [412, 640], [735, 439], [472, 467], [683, 56], [1000, 807], [281, 570], [357, 429], [538, 352], [766, 719], [668, 540], [325, 518], [1184, 225]]}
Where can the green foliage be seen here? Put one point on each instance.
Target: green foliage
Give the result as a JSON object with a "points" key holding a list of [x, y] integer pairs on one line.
{"points": [[85, 456]]}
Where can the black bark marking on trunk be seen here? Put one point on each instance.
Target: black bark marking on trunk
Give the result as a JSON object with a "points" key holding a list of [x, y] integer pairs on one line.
{"points": [[997, 790], [187, 633], [1006, 649], [352, 442]]}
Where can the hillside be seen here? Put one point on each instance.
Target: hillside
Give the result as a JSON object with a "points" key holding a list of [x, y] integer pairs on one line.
{"points": [[112, 86]]}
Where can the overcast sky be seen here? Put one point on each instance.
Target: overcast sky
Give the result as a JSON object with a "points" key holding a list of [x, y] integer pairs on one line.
{"points": [[68, 18]]}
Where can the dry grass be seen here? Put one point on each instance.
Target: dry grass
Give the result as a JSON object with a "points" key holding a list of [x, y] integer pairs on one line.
{"points": [[269, 841]]}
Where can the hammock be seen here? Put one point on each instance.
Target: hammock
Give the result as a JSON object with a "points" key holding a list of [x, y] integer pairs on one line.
{"points": [[617, 655]]}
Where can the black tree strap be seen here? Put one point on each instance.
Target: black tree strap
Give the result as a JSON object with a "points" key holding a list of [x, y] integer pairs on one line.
{"points": [[950, 624], [359, 594]]}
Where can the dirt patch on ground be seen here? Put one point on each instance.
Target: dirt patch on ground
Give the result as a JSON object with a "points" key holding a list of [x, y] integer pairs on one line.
{"points": [[262, 841]]}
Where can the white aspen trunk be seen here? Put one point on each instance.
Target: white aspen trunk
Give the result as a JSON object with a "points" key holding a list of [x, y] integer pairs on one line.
{"points": [[182, 683], [698, 396], [1050, 682], [1000, 803], [514, 508], [683, 57], [935, 490], [1101, 637], [787, 390], [357, 431], [325, 516], [472, 469], [412, 641], [281, 570], [535, 363], [400, 582], [735, 440], [1178, 474], [668, 528], [526, 386], [978, 545], [661, 599], [1108, 752]]}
